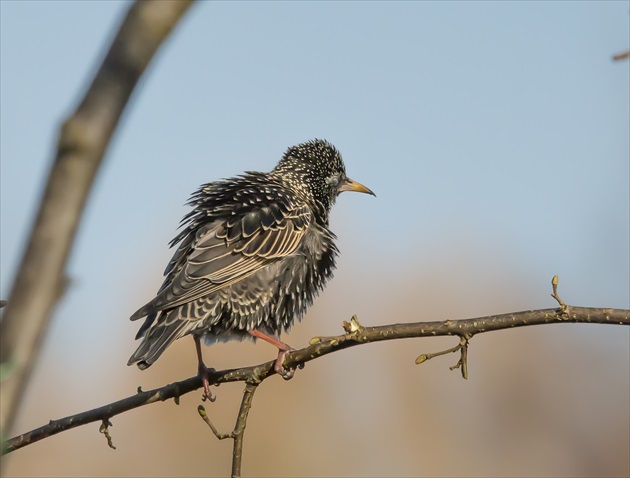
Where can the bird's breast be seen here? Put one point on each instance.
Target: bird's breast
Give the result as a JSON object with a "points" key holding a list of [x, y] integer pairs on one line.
{"points": [[305, 273]]}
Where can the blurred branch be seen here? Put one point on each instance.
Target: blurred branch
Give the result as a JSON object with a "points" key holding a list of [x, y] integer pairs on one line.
{"points": [[355, 335], [621, 56], [82, 143]]}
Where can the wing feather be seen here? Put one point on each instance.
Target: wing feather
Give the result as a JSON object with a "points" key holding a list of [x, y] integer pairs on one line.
{"points": [[228, 250]]}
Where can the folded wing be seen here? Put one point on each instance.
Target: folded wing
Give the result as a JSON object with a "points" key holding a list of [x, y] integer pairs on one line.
{"points": [[225, 251]]}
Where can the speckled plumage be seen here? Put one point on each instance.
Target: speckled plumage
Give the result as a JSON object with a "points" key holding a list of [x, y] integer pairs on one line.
{"points": [[253, 253]]}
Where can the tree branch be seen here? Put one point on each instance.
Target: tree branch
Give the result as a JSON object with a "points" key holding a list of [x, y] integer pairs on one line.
{"points": [[83, 140], [239, 429], [621, 56], [355, 335]]}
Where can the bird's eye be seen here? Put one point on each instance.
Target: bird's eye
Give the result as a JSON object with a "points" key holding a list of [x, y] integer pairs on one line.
{"points": [[333, 181]]}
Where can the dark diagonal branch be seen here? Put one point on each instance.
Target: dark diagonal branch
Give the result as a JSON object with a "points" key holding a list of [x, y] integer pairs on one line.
{"points": [[355, 335], [83, 140]]}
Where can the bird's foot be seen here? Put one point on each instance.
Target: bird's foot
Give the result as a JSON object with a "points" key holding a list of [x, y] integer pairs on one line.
{"points": [[285, 373], [204, 373], [283, 349]]}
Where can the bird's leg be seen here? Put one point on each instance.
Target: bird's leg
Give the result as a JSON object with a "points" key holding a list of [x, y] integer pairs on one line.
{"points": [[283, 349], [203, 372]]}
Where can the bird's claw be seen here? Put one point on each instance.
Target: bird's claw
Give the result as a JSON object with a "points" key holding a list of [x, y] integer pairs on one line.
{"points": [[207, 393], [285, 373]]}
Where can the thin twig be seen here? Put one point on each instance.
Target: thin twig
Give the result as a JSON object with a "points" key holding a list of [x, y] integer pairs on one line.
{"points": [[462, 363], [104, 429], [204, 416], [463, 359], [563, 307], [239, 428], [424, 357], [461, 328]]}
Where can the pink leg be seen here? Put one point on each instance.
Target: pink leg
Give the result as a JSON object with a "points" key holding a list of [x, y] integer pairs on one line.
{"points": [[203, 372], [282, 351]]}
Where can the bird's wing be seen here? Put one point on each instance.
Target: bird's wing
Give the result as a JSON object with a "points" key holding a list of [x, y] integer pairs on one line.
{"points": [[226, 251]]}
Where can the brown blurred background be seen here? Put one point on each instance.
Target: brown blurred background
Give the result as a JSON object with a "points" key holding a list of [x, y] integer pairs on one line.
{"points": [[542, 401]]}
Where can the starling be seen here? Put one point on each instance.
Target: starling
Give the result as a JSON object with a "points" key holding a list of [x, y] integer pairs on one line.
{"points": [[254, 252]]}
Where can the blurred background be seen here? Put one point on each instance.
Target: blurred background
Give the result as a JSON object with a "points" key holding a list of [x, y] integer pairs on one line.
{"points": [[496, 138]]}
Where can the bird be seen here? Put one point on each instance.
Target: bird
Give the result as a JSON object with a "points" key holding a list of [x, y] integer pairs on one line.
{"points": [[251, 256]]}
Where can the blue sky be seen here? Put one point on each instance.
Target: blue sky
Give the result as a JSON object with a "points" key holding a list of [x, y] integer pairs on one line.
{"points": [[465, 118], [495, 135]]}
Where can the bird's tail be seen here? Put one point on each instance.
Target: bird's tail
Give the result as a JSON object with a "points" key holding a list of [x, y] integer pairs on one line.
{"points": [[157, 339]]}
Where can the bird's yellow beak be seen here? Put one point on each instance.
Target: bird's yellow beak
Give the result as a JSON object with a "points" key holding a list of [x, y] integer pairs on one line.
{"points": [[350, 185]]}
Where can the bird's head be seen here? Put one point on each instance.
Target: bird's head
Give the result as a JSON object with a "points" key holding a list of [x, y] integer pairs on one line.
{"points": [[316, 170]]}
